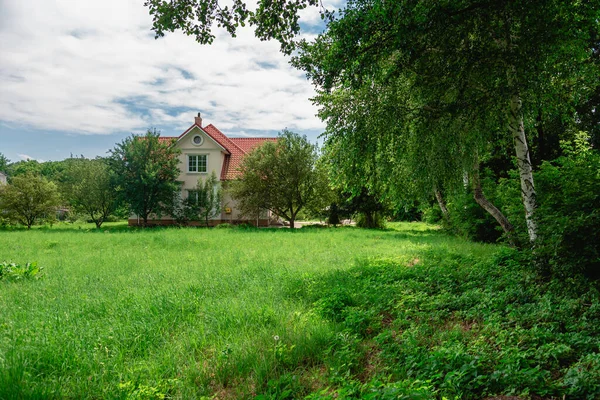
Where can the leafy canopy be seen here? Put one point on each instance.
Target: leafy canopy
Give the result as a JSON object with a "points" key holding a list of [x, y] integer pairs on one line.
{"points": [[88, 187], [202, 203], [28, 199], [145, 171], [280, 176]]}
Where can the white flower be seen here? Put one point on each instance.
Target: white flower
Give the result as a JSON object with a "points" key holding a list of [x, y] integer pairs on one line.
{"points": [[276, 338]]}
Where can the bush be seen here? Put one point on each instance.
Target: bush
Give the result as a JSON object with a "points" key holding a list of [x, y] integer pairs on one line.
{"points": [[468, 219], [568, 215], [15, 272], [432, 214], [372, 220]]}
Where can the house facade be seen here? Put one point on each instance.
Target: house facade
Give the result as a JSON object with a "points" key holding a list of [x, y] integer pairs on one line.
{"points": [[3, 179], [206, 150]]}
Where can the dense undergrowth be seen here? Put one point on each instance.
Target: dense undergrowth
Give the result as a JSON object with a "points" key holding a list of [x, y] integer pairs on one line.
{"points": [[279, 314], [450, 326]]}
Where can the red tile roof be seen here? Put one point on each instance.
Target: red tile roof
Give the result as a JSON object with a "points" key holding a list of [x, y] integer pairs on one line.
{"points": [[247, 144], [236, 148]]}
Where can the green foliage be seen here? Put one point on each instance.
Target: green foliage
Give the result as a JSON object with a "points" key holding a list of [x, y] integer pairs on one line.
{"points": [[569, 215], [3, 162], [374, 220], [272, 20], [144, 172], [432, 214], [88, 187], [28, 199], [468, 328], [282, 177], [467, 219], [201, 204], [408, 313], [16, 272], [414, 102]]}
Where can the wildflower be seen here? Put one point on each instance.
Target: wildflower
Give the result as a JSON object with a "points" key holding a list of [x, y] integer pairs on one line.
{"points": [[276, 338]]}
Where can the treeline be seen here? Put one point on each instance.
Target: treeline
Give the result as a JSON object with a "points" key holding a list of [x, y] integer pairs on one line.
{"points": [[73, 188], [139, 176]]}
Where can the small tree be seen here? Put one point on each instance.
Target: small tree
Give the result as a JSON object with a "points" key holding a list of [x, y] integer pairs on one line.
{"points": [[3, 162], [145, 173], [29, 198], [280, 176], [88, 189], [204, 202]]}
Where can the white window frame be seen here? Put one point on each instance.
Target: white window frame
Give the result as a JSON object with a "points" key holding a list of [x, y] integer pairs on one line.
{"points": [[197, 156], [201, 140]]}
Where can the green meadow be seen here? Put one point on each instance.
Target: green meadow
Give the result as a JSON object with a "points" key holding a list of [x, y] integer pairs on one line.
{"points": [[318, 313]]}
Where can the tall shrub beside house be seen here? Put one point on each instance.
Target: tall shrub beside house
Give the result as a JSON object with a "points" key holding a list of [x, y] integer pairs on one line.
{"points": [[29, 199], [202, 203], [145, 171]]}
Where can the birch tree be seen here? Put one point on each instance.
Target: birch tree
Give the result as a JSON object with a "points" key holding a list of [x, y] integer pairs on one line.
{"points": [[495, 62]]}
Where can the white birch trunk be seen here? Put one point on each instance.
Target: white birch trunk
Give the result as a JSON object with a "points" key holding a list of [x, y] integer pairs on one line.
{"points": [[517, 129], [441, 202]]}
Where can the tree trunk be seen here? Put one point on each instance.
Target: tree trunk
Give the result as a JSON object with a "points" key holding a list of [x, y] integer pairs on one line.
{"points": [[490, 208], [517, 129], [292, 223], [441, 202]]}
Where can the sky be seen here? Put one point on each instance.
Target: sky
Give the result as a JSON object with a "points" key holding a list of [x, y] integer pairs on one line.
{"points": [[78, 76]]}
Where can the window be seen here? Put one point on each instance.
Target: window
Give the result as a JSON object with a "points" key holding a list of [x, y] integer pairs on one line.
{"points": [[193, 196], [197, 140], [197, 163]]}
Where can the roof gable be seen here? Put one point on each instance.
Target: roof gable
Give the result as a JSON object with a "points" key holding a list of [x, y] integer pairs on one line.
{"points": [[234, 148], [215, 138]]}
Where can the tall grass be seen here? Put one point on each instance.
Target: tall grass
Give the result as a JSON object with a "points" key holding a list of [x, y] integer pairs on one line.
{"points": [[177, 312], [234, 313]]}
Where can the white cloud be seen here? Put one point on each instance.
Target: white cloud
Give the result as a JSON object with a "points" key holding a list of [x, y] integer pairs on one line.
{"points": [[25, 157], [94, 67]]}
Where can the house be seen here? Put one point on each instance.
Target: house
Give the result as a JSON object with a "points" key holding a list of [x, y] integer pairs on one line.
{"points": [[2, 178], [204, 150]]}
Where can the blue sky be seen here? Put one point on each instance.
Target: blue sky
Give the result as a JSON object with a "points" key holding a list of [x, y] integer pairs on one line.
{"points": [[78, 77]]}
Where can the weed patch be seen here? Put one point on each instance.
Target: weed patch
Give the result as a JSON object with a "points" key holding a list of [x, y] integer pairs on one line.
{"points": [[467, 327], [16, 272]]}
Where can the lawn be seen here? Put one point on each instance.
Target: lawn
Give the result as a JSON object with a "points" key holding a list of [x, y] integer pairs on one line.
{"points": [[279, 313]]}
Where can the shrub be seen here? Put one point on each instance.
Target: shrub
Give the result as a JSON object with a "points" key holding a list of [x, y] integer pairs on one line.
{"points": [[432, 214], [468, 219], [373, 220], [15, 272], [569, 215]]}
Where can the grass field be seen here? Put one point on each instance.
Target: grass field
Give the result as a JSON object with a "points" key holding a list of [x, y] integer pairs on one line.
{"points": [[279, 313]]}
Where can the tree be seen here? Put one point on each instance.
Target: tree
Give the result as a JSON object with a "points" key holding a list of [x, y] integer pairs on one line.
{"points": [[89, 189], [280, 176], [204, 202], [481, 64], [145, 171], [3, 162], [272, 19], [29, 198]]}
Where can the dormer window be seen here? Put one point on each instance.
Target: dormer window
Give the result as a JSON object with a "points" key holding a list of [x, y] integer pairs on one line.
{"points": [[198, 140]]}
